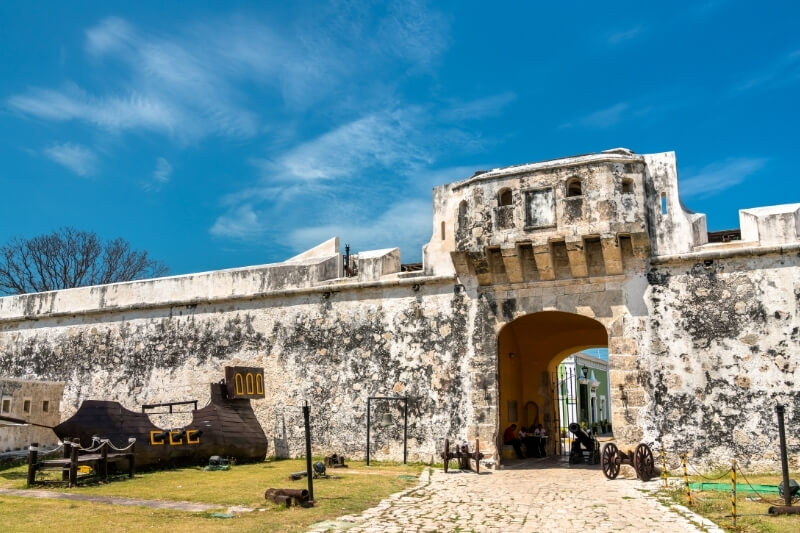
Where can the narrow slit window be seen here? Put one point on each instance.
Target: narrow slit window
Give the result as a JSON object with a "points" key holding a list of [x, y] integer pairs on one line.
{"points": [[663, 203], [26, 406], [6, 405], [574, 187], [443, 234], [45, 406]]}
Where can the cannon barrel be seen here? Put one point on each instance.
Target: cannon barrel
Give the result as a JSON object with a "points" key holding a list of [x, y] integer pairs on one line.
{"points": [[582, 436]]}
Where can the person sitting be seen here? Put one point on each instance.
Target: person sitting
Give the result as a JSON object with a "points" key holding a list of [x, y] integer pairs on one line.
{"points": [[531, 443], [510, 437]]}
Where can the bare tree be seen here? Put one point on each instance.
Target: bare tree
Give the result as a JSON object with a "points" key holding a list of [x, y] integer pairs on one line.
{"points": [[70, 258]]}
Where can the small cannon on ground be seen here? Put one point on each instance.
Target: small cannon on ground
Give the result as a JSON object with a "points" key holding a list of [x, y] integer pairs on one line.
{"points": [[641, 460], [288, 496], [584, 447], [463, 455]]}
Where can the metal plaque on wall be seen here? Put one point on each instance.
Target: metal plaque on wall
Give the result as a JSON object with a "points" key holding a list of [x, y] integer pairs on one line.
{"points": [[244, 382]]}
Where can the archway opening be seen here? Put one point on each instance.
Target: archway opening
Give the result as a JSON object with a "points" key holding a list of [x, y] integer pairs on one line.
{"points": [[549, 376]]}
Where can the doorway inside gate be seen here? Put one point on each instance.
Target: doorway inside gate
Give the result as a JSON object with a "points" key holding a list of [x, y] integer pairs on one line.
{"points": [[552, 372]]}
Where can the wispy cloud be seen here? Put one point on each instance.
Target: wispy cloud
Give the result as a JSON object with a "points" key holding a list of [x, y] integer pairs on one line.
{"points": [[603, 118], [161, 175], [625, 35], [406, 224], [720, 176], [376, 140], [77, 158], [188, 85], [480, 108], [240, 223], [783, 71], [163, 170]]}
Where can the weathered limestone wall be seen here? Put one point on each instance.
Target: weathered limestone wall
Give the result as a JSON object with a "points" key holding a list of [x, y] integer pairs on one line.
{"points": [[720, 351], [702, 337], [333, 349]]}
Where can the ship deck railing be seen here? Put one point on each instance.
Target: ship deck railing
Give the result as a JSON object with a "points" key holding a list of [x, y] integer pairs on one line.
{"points": [[97, 457]]}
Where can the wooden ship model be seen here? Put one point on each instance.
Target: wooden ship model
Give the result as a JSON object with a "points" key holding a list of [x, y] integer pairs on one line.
{"points": [[226, 427]]}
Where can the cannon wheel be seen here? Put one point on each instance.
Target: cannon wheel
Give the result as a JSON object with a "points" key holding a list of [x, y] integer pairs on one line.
{"points": [[446, 454], [610, 463], [643, 462]]}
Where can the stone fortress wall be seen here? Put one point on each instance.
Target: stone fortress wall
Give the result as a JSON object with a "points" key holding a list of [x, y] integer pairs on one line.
{"points": [[703, 337]]}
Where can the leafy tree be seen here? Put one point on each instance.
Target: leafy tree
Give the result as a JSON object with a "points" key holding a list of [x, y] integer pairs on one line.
{"points": [[70, 258]]}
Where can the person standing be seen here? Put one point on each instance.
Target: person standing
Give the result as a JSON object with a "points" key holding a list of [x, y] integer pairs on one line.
{"points": [[542, 440]]}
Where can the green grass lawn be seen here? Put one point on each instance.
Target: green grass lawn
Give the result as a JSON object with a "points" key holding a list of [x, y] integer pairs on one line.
{"points": [[348, 491], [750, 509]]}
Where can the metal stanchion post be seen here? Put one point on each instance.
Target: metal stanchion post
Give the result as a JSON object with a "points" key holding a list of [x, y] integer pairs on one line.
{"points": [[787, 493], [310, 473], [733, 492], [686, 479]]}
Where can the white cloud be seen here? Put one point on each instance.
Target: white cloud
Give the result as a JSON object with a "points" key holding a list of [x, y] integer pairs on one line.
{"points": [[719, 176], [79, 159], [240, 223], [163, 170]]}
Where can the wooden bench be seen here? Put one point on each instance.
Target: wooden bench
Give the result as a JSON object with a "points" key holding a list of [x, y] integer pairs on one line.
{"points": [[97, 457]]}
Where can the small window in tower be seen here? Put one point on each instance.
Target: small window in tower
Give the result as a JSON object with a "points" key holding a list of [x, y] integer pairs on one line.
{"points": [[45, 406], [574, 187], [663, 203], [627, 186], [443, 234], [6, 405], [505, 197], [26, 406]]}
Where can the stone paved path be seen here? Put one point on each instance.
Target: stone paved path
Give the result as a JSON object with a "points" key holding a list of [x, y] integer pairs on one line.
{"points": [[543, 497], [116, 500]]}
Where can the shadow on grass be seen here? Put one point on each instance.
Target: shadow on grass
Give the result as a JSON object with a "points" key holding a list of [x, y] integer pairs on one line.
{"points": [[14, 475]]}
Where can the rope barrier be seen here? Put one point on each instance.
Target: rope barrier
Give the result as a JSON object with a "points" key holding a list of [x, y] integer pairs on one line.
{"points": [[131, 442], [763, 498], [54, 450], [728, 471]]}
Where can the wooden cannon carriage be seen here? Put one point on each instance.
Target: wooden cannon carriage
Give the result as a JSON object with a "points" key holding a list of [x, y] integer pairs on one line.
{"points": [[640, 459], [463, 455]]}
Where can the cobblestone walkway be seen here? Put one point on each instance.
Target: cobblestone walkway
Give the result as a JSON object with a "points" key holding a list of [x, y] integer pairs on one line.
{"points": [[543, 497]]}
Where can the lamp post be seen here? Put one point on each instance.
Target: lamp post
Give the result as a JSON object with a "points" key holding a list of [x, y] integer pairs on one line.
{"points": [[387, 419]]}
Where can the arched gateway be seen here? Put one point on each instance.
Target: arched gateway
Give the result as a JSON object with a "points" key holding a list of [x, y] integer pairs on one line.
{"points": [[529, 350]]}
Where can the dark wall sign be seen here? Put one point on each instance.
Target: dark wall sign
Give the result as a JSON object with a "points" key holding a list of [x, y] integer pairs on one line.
{"points": [[244, 382]]}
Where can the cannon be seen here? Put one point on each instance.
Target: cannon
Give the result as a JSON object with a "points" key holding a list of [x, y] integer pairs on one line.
{"points": [[584, 447], [463, 455], [640, 459]]}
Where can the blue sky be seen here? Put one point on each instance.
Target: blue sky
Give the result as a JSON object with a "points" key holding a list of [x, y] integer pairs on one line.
{"points": [[218, 135]]}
